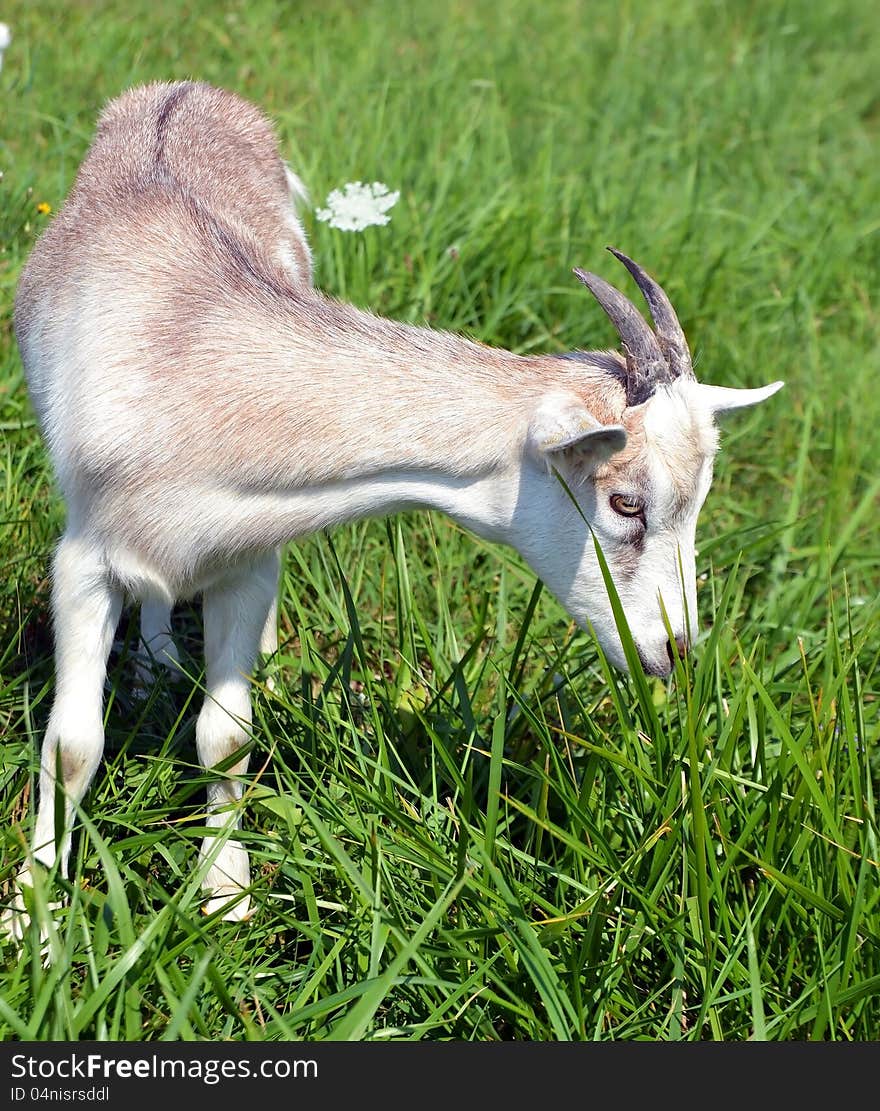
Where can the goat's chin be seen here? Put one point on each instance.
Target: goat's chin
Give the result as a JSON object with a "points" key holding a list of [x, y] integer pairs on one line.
{"points": [[656, 668], [613, 652]]}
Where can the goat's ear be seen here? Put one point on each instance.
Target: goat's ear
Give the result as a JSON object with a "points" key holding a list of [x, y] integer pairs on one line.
{"points": [[722, 399], [563, 428]]}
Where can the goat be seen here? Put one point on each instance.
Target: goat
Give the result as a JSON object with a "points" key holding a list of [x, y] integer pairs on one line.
{"points": [[202, 404]]}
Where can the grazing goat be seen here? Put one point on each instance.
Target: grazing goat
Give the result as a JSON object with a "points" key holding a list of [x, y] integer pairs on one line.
{"points": [[203, 404]]}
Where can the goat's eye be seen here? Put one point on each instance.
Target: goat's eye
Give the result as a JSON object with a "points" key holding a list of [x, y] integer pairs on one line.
{"points": [[626, 506]]}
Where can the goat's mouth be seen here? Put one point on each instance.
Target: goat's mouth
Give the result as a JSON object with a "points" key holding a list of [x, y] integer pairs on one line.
{"points": [[662, 663], [660, 670]]}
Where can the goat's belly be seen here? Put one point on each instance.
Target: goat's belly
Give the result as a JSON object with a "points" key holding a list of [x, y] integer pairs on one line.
{"points": [[173, 541], [172, 574], [170, 544]]}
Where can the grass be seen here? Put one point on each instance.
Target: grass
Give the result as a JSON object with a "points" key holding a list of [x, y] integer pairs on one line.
{"points": [[462, 823]]}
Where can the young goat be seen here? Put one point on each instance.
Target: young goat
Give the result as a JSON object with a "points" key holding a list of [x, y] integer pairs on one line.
{"points": [[203, 404]]}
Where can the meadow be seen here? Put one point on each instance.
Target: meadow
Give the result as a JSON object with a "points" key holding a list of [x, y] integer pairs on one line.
{"points": [[462, 823]]}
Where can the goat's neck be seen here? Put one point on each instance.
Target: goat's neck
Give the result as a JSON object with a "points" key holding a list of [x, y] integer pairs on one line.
{"points": [[343, 414]]}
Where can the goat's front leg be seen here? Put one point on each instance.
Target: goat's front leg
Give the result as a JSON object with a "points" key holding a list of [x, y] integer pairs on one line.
{"points": [[86, 606], [236, 612]]}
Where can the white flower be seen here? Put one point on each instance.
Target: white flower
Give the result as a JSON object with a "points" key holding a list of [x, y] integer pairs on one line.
{"points": [[357, 206], [5, 37]]}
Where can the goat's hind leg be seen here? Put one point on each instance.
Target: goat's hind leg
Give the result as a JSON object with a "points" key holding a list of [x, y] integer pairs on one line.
{"points": [[156, 644], [236, 612], [269, 635], [86, 605]]}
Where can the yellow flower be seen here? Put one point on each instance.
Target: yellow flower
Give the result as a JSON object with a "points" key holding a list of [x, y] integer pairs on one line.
{"points": [[43, 208]]}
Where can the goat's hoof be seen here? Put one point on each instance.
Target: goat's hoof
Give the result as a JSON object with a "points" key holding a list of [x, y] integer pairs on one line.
{"points": [[14, 923], [237, 907], [139, 689], [15, 926]]}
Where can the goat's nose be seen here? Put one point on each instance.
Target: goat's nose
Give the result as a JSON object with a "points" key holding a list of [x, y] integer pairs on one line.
{"points": [[681, 644]]}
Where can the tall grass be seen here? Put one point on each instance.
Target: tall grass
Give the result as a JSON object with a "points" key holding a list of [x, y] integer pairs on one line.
{"points": [[462, 822]]}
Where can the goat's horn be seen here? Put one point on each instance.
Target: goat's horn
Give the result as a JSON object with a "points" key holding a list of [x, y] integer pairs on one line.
{"points": [[669, 332], [645, 363]]}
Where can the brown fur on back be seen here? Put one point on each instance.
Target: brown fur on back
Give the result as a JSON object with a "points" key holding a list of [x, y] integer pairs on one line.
{"points": [[145, 139]]}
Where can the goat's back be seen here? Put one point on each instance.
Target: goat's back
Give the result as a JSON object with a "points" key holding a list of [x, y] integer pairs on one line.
{"points": [[207, 142]]}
